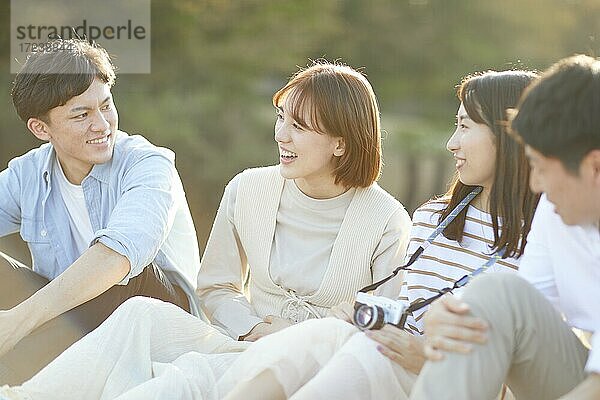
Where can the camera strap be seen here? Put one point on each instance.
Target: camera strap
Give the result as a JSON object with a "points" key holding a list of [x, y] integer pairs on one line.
{"points": [[417, 305], [439, 229]]}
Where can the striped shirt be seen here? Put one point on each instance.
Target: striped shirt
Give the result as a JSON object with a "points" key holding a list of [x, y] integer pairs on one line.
{"points": [[446, 261]]}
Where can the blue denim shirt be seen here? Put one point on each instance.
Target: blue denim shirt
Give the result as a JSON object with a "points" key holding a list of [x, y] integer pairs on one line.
{"points": [[135, 201]]}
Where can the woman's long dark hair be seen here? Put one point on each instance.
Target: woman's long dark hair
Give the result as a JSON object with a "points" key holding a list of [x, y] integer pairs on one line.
{"points": [[486, 97]]}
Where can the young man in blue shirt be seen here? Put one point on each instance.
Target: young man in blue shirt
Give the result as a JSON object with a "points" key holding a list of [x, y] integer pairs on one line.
{"points": [[104, 214]]}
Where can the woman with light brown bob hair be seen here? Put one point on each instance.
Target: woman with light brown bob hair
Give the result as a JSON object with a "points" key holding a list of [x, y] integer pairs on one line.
{"points": [[313, 230], [289, 243], [335, 100]]}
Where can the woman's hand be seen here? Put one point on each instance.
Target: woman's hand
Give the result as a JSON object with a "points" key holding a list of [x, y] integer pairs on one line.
{"points": [[448, 327], [343, 311], [401, 347], [270, 325]]}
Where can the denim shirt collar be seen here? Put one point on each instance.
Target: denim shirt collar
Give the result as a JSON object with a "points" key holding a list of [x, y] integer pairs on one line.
{"points": [[48, 164], [100, 172]]}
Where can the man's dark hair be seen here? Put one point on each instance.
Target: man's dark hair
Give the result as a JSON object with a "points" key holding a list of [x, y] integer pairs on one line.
{"points": [[559, 115], [62, 70]]}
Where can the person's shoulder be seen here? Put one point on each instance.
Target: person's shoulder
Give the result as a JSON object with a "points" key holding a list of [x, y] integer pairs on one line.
{"points": [[258, 176], [544, 207], [428, 212], [548, 223], [383, 196], [137, 147], [268, 171], [252, 174], [545, 218], [34, 159]]}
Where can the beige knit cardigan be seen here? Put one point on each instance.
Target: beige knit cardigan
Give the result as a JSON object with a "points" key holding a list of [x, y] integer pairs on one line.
{"points": [[257, 201]]}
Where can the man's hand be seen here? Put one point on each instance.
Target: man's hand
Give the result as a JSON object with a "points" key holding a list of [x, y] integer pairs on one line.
{"points": [[589, 389], [399, 346], [343, 311], [448, 327], [13, 328], [270, 325]]}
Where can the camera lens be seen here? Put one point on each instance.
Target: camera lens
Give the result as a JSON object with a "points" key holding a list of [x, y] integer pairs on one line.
{"points": [[368, 317], [363, 316]]}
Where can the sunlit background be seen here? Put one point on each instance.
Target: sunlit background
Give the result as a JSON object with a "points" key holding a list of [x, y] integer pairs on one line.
{"points": [[215, 65]]}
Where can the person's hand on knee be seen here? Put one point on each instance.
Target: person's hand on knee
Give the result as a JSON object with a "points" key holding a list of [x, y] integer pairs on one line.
{"points": [[449, 327]]}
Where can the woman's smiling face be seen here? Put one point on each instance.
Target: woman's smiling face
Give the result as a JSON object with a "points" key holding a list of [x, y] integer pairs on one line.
{"points": [[307, 156], [474, 149]]}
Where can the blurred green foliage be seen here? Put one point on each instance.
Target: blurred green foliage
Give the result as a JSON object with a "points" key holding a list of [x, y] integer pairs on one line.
{"points": [[216, 63]]}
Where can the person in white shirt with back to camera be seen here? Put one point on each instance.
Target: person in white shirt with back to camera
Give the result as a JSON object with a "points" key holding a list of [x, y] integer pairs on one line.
{"points": [[528, 344]]}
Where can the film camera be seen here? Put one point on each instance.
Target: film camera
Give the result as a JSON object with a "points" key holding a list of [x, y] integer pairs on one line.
{"points": [[372, 312]]}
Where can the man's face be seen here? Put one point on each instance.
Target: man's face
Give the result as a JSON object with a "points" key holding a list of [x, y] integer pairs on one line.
{"points": [[82, 131], [576, 197]]}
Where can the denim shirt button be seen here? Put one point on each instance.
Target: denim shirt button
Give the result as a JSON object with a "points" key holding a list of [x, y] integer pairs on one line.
{"points": [[43, 233]]}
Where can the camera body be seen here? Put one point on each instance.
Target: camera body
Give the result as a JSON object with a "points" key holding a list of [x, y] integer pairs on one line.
{"points": [[373, 312]]}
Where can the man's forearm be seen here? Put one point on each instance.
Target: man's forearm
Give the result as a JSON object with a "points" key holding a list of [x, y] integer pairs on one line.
{"points": [[96, 271]]}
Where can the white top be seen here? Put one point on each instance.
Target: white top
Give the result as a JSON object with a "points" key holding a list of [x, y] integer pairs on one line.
{"points": [[304, 236], [445, 261], [563, 262], [74, 199], [305, 232]]}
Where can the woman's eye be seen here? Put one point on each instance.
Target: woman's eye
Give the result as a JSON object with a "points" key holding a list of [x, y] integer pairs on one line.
{"points": [[297, 126], [106, 107], [81, 116], [279, 116], [460, 125]]}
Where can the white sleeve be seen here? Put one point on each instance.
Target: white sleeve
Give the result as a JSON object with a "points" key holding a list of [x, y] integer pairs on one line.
{"points": [[412, 294], [222, 271], [536, 263], [390, 253]]}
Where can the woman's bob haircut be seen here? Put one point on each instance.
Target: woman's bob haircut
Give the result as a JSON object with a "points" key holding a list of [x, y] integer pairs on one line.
{"points": [[336, 100]]}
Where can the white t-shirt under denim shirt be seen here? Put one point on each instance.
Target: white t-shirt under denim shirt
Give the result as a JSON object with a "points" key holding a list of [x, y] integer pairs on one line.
{"points": [[74, 199]]}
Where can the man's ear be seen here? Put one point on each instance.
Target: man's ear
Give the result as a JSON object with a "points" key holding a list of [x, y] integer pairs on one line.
{"points": [[594, 160], [340, 148], [39, 128]]}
